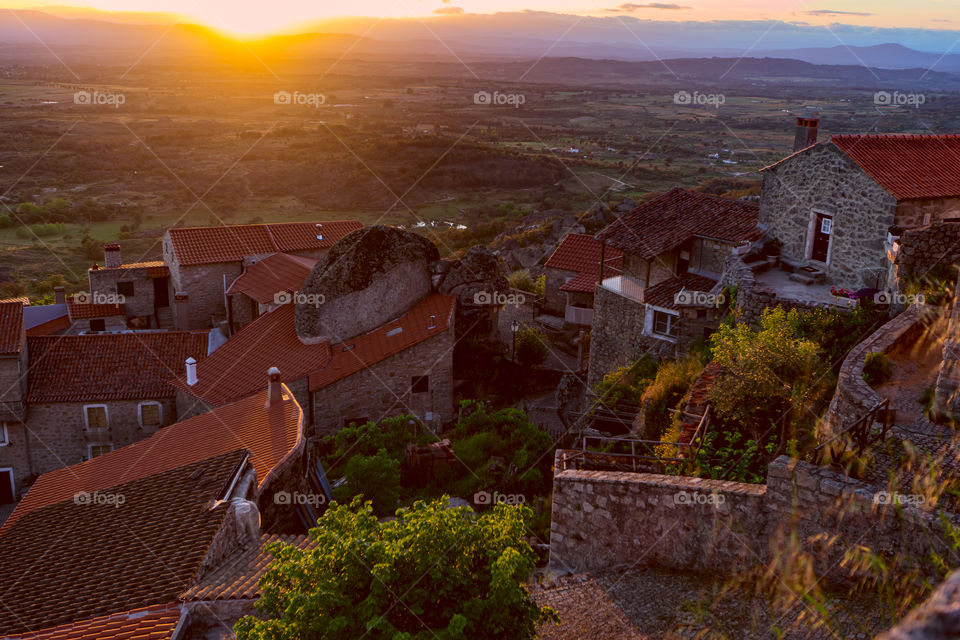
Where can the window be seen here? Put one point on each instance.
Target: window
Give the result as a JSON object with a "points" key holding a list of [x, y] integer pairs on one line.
{"points": [[98, 324], [664, 324], [96, 416], [125, 289], [98, 449], [420, 384], [150, 414], [4, 435]]}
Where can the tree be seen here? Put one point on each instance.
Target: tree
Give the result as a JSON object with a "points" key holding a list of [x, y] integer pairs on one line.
{"points": [[376, 477], [433, 573], [531, 347]]}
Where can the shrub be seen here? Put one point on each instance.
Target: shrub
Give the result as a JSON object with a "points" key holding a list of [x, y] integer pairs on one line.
{"points": [[376, 478], [668, 390], [522, 280], [877, 368], [531, 346], [628, 382]]}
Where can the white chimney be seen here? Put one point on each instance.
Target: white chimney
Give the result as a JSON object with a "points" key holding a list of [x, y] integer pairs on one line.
{"points": [[274, 387], [191, 371]]}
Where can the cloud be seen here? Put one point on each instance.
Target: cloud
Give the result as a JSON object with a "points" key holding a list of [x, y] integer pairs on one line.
{"points": [[834, 12], [629, 7], [449, 11]]}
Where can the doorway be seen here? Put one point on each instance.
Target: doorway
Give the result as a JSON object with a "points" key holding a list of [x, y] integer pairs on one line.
{"points": [[822, 232]]}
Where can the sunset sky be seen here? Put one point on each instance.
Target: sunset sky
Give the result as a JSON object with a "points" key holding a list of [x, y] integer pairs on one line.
{"points": [[249, 16]]}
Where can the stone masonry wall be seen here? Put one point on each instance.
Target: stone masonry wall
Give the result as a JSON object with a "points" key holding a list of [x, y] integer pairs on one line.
{"points": [[605, 520], [618, 337], [554, 300], [104, 281], [922, 249], [204, 284], [920, 213], [14, 455], [824, 179]]}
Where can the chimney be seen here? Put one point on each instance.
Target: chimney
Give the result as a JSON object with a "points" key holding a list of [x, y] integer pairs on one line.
{"points": [[806, 134], [274, 387], [111, 255], [191, 371], [182, 303], [59, 295]]}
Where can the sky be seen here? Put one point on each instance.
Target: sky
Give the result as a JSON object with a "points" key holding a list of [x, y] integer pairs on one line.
{"points": [[261, 16]]}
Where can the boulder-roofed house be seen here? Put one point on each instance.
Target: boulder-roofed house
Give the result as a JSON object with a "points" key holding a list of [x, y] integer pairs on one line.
{"points": [[204, 261], [833, 203], [572, 272], [265, 284], [81, 396], [673, 248]]}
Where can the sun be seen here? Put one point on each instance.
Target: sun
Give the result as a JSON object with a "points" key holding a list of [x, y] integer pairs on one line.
{"points": [[251, 20]]}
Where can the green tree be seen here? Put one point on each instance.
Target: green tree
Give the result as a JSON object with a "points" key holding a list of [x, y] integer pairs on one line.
{"points": [[376, 477], [433, 573]]}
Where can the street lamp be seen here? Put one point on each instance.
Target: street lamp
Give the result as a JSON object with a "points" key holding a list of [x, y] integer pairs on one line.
{"points": [[514, 327]]}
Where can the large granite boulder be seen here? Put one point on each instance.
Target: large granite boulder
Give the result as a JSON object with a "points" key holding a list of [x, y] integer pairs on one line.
{"points": [[371, 276], [478, 281]]}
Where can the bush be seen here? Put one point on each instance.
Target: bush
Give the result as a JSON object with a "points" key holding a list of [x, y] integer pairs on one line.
{"points": [[877, 368], [376, 478], [531, 346], [628, 382], [669, 389], [522, 280]]}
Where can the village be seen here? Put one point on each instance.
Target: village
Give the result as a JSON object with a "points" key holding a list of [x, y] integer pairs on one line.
{"points": [[697, 384]]}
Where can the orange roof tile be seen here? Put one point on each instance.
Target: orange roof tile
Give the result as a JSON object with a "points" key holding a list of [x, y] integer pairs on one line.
{"points": [[24, 300], [663, 294], [109, 366], [156, 622], [90, 555], [585, 282], [431, 317], [270, 434], [208, 245], [237, 368], [238, 578], [274, 274], [83, 310], [155, 268], [51, 327], [11, 327], [581, 253], [668, 221]]}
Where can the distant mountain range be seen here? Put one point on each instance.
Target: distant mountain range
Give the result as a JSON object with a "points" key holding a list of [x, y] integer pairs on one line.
{"points": [[504, 37]]}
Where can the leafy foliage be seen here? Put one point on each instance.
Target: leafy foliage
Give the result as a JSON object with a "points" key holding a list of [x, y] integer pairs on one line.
{"points": [[877, 368], [524, 281], [531, 346], [433, 573]]}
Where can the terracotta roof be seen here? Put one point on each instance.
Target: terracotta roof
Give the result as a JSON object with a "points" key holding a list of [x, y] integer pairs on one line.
{"points": [[270, 434], [431, 317], [585, 611], [208, 245], [908, 166], [87, 557], [238, 577], [663, 294], [157, 622], [50, 327], [109, 366], [585, 282], [83, 310], [581, 253], [24, 300], [155, 268], [237, 369], [670, 220], [11, 327], [274, 274]]}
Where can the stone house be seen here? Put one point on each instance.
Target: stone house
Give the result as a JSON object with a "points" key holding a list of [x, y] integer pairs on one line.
{"points": [[572, 272], [204, 261], [835, 204], [13, 365], [663, 299], [263, 285], [143, 288], [87, 316], [81, 396]]}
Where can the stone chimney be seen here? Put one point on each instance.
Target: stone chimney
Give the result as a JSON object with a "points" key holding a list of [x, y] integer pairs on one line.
{"points": [[806, 133], [59, 295], [191, 371], [274, 387], [111, 255]]}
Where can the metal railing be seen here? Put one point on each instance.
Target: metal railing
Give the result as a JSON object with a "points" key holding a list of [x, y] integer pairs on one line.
{"points": [[861, 433]]}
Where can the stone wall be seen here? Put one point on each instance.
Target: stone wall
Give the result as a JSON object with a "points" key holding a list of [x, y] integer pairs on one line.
{"points": [[205, 286], [618, 337], [753, 298], [605, 520], [922, 249], [936, 619], [922, 212], [853, 397], [824, 179], [141, 303], [708, 256], [15, 456], [554, 300]]}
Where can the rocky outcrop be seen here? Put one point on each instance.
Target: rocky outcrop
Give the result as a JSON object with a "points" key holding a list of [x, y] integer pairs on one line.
{"points": [[478, 281], [371, 276]]}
